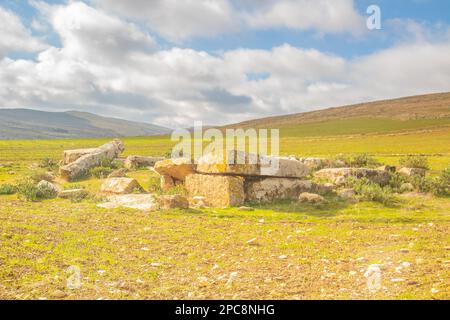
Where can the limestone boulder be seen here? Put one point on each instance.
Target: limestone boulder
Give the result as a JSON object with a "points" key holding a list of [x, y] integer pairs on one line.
{"points": [[267, 190], [47, 188], [134, 162], [81, 166], [118, 173], [133, 201], [175, 168], [338, 176], [73, 194], [283, 167], [173, 202], [312, 198], [120, 186], [347, 194], [218, 191], [412, 172], [73, 155]]}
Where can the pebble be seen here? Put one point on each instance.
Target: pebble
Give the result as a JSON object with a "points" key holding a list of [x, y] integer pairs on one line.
{"points": [[59, 294], [282, 257], [398, 280], [252, 242], [404, 250]]}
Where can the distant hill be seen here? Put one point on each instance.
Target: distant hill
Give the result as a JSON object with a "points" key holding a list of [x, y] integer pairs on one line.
{"points": [[29, 124], [422, 108]]}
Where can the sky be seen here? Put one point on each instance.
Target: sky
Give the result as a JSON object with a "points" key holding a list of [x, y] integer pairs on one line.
{"points": [[173, 62]]}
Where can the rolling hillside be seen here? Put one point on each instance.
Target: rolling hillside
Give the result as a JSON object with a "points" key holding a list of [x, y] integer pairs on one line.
{"points": [[410, 113], [29, 124]]}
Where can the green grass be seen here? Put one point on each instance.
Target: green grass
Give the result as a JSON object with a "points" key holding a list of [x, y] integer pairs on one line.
{"points": [[188, 254]]}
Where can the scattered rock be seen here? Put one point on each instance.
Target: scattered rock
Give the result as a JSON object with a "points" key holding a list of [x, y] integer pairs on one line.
{"points": [[412, 172], [282, 257], [58, 294], [73, 194], [245, 209], [404, 250], [306, 197], [134, 201], [398, 280], [198, 202], [79, 167], [252, 242], [338, 175], [134, 162], [219, 191], [48, 187], [325, 188], [119, 173], [175, 168], [73, 155], [267, 190], [120, 186], [347, 194], [173, 202]]}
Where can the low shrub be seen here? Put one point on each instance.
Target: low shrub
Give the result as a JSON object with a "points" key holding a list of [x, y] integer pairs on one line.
{"points": [[6, 189], [100, 172], [369, 191], [413, 161], [28, 189], [154, 185], [396, 181], [440, 186], [357, 160]]}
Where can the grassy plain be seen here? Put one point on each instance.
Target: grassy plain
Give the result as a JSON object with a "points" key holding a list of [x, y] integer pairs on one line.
{"points": [[300, 252]]}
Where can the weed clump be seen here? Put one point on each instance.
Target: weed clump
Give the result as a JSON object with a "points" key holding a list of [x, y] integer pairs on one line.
{"points": [[412, 161], [7, 189], [370, 191]]}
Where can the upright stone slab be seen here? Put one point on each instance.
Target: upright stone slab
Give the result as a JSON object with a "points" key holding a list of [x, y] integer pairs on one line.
{"points": [[218, 191], [283, 167]]}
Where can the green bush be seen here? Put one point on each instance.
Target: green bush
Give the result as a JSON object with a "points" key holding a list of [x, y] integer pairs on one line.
{"points": [[28, 189], [358, 160], [7, 188], [369, 191], [112, 164], [154, 185], [363, 160], [100, 172], [412, 161], [440, 186], [396, 181]]}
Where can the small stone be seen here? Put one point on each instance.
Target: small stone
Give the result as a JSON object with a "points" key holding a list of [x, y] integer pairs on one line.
{"points": [[252, 242], [145, 249], [307, 197], [406, 264], [245, 209], [403, 250], [59, 294], [398, 280], [282, 257], [434, 290], [261, 221], [420, 261], [155, 264]]}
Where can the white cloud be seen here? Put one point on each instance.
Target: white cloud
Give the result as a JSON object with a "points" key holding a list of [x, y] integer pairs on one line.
{"points": [[14, 36], [112, 67], [324, 16], [178, 20]]}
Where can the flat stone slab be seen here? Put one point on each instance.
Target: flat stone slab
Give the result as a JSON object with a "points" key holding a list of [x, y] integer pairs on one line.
{"points": [[267, 190], [133, 201]]}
